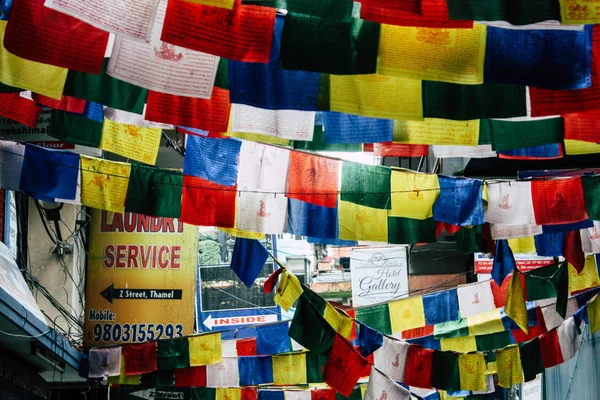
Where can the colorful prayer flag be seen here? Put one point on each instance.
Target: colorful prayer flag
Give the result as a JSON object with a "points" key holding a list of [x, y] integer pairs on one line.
{"points": [[205, 349], [104, 183]]}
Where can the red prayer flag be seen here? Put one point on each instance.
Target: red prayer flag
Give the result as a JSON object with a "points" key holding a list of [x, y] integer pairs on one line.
{"points": [[392, 149], [313, 179], [584, 127], [140, 358], [246, 347], [19, 109], [550, 347], [558, 201], [244, 33], [345, 366], [368, 148], [410, 6], [434, 14], [206, 203], [38, 33], [66, 103], [207, 114], [556, 102], [499, 292], [450, 228], [249, 394], [419, 363], [272, 281], [534, 331], [418, 332], [191, 377], [573, 251], [322, 394]]}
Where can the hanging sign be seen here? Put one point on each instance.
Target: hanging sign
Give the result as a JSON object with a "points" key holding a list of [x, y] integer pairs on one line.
{"points": [[141, 278], [378, 275], [525, 262]]}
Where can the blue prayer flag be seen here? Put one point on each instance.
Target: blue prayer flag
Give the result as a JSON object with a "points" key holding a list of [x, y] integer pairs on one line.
{"points": [[549, 244], [93, 111], [272, 339], [268, 86], [270, 395], [440, 307], [306, 219], [426, 341], [369, 339], [545, 151], [504, 262], [545, 58], [215, 160], [49, 174], [348, 128], [5, 7], [256, 371], [248, 259], [566, 228], [460, 201], [197, 131]]}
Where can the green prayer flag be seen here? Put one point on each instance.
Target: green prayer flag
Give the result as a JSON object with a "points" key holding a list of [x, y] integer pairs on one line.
{"points": [[451, 329], [165, 379], [222, 77], [492, 341], [106, 90], [376, 317], [367, 185], [172, 354], [314, 366], [319, 144], [538, 283], [445, 373], [324, 97], [515, 306], [463, 102], [531, 359], [508, 135], [76, 129], [560, 280], [149, 379], [517, 12], [309, 327], [470, 240], [340, 10], [203, 393], [591, 194], [154, 191], [355, 395], [411, 231], [310, 43]]}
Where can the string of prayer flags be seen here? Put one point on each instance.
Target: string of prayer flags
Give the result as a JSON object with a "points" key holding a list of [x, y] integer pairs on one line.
{"points": [[390, 358], [288, 291], [419, 367], [248, 259], [286, 124], [512, 11], [104, 183], [104, 89], [460, 201], [255, 370], [140, 358], [48, 174], [131, 141], [345, 366], [515, 303], [377, 96], [446, 55], [558, 201], [433, 14], [437, 131], [306, 219], [60, 40], [205, 349], [380, 386], [472, 371], [268, 86], [509, 135], [12, 157], [163, 67], [173, 354], [211, 115], [224, 374], [315, 44], [20, 109], [206, 203], [190, 377], [531, 57], [105, 362], [154, 191], [504, 262], [244, 33], [31, 75], [215, 160], [366, 185], [348, 128], [313, 179]]}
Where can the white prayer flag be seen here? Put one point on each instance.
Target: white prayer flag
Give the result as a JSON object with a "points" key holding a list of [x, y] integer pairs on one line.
{"points": [[475, 298], [500, 232], [285, 124], [479, 151], [551, 318], [510, 203], [569, 338], [224, 374], [590, 238], [229, 348], [12, 155], [105, 362], [297, 394], [381, 387], [390, 358]]}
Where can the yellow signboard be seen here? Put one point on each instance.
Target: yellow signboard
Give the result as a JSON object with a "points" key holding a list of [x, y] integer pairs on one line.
{"points": [[141, 278]]}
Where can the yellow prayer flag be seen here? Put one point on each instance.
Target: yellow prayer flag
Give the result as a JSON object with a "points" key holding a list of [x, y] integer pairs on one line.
{"points": [[471, 368], [288, 290], [413, 194], [228, 394], [485, 195], [363, 390], [377, 96], [593, 313], [485, 323], [123, 379], [30, 75], [515, 306], [243, 234], [215, 3], [289, 369], [407, 314], [205, 349], [522, 245], [575, 147], [104, 183], [131, 141], [358, 222], [491, 368], [579, 12], [461, 344], [587, 278], [338, 320], [257, 137], [508, 363], [437, 54], [437, 131]]}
